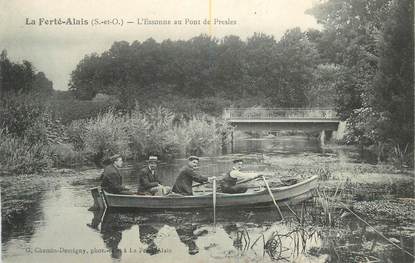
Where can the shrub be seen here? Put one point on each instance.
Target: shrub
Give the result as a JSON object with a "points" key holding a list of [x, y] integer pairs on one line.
{"points": [[157, 140], [156, 131], [106, 135], [205, 135], [137, 128], [64, 155], [20, 155], [76, 133], [21, 113]]}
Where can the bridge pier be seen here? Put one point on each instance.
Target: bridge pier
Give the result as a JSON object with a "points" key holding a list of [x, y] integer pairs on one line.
{"points": [[232, 142], [226, 144], [322, 137], [325, 136]]}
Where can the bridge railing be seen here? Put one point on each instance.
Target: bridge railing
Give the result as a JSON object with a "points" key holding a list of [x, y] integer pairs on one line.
{"points": [[279, 113]]}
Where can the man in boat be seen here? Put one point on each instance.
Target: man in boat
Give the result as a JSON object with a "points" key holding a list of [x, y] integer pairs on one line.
{"points": [[229, 183], [187, 175], [111, 178], [149, 184]]}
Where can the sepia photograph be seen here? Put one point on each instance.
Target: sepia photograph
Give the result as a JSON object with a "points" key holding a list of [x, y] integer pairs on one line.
{"points": [[207, 131]]}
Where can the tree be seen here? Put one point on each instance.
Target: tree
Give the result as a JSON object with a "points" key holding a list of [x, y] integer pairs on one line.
{"points": [[393, 85], [22, 78], [351, 31]]}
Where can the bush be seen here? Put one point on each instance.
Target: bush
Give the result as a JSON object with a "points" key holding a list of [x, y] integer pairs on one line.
{"points": [[137, 129], [203, 138], [202, 135], [157, 139], [20, 114], [64, 155], [76, 133], [105, 136], [20, 155], [156, 131]]}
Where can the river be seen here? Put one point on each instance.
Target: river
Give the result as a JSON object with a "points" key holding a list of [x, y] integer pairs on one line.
{"points": [[60, 228]]}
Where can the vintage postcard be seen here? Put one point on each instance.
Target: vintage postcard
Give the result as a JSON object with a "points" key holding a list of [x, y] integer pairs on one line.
{"points": [[207, 131]]}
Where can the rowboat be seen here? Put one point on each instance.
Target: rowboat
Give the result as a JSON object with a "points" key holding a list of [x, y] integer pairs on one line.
{"points": [[285, 195]]}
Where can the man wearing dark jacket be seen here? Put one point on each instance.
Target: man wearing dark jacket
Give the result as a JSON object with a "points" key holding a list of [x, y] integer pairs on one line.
{"points": [[111, 178], [186, 177], [148, 182]]}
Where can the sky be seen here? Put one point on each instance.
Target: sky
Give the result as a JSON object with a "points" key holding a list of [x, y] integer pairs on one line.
{"points": [[56, 49]]}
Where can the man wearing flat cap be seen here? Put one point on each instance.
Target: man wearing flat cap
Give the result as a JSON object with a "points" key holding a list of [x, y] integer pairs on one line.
{"points": [[186, 177], [111, 178], [228, 183], [148, 182]]}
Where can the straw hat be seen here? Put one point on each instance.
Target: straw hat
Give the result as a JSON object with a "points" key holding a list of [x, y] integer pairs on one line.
{"points": [[152, 159]]}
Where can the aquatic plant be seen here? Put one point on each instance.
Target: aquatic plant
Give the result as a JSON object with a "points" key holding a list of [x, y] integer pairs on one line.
{"points": [[401, 156], [328, 204]]}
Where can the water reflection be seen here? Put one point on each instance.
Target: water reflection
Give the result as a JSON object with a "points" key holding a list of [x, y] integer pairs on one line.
{"points": [[111, 231], [248, 232], [279, 144], [188, 235], [249, 235]]}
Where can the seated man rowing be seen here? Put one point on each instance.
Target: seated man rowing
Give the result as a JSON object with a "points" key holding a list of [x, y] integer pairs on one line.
{"points": [[187, 175], [149, 183], [229, 183]]}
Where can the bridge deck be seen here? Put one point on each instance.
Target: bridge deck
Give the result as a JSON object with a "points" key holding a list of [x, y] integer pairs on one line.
{"points": [[251, 119], [291, 120]]}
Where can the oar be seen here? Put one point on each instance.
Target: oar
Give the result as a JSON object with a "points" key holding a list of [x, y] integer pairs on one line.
{"points": [[214, 202], [250, 179], [272, 196], [240, 182]]}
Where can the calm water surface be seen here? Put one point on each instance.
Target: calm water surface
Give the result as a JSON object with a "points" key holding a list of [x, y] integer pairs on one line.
{"points": [[61, 229]]}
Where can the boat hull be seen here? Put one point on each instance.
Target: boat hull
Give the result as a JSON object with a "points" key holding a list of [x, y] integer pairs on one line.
{"points": [[286, 194]]}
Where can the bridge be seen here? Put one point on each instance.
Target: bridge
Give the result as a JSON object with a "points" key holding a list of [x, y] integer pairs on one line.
{"points": [[260, 119]]}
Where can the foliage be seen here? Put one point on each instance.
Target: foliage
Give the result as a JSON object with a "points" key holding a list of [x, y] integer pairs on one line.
{"points": [[68, 110], [363, 126], [202, 139], [371, 44], [322, 90], [157, 131], [21, 78], [76, 133], [152, 135], [350, 35], [64, 155], [20, 155], [19, 113], [106, 135], [393, 93], [402, 156], [202, 67]]}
